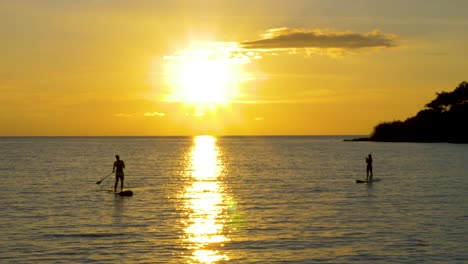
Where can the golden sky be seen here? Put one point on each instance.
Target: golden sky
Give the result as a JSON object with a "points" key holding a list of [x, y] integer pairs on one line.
{"points": [[257, 67]]}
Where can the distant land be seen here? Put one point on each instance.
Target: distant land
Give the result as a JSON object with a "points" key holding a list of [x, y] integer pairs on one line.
{"points": [[445, 119]]}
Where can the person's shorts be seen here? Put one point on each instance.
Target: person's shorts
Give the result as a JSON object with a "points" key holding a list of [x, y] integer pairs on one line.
{"points": [[119, 175]]}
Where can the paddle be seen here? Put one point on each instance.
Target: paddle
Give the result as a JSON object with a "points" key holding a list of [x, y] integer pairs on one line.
{"points": [[99, 182]]}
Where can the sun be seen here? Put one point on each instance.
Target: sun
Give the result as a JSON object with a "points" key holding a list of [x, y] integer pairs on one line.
{"points": [[203, 80], [206, 76]]}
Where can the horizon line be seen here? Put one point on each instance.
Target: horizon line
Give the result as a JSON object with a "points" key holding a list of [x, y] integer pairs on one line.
{"points": [[213, 135]]}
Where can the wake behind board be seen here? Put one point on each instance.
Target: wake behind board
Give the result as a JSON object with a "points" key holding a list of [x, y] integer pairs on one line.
{"points": [[364, 181]]}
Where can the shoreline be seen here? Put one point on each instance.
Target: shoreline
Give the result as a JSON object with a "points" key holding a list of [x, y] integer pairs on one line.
{"points": [[368, 139]]}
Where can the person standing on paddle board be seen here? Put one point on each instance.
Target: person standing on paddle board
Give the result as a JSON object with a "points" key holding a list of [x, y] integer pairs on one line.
{"points": [[369, 168], [119, 173]]}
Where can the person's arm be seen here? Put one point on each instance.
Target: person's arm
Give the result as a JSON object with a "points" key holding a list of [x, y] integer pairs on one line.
{"points": [[123, 164], [113, 168]]}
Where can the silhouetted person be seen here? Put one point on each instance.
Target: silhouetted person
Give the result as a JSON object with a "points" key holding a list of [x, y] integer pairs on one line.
{"points": [[119, 173], [369, 168]]}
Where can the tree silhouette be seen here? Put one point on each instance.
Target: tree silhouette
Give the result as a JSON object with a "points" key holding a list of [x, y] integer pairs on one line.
{"points": [[444, 100], [445, 119]]}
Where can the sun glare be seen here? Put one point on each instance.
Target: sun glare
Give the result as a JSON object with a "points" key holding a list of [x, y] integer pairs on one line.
{"points": [[205, 76], [205, 197]]}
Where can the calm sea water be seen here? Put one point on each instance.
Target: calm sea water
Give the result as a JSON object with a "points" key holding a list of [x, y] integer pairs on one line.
{"points": [[232, 200]]}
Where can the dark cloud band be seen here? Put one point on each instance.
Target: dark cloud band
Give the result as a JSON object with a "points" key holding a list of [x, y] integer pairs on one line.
{"points": [[286, 38]]}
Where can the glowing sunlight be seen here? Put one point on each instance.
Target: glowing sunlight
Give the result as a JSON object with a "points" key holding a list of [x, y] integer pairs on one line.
{"points": [[206, 76], [205, 203]]}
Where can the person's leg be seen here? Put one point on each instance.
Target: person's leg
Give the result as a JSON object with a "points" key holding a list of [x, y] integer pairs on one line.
{"points": [[116, 182], [121, 183]]}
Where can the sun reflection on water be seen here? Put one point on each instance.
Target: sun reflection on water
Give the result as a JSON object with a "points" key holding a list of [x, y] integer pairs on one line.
{"points": [[205, 203]]}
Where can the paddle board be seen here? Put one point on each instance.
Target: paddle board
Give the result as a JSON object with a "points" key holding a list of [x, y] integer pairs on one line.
{"points": [[364, 181], [125, 193]]}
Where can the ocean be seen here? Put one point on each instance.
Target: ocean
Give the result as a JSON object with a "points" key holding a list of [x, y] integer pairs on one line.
{"points": [[232, 200]]}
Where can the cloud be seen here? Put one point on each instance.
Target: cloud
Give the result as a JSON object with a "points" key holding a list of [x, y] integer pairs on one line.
{"points": [[288, 38], [155, 114]]}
